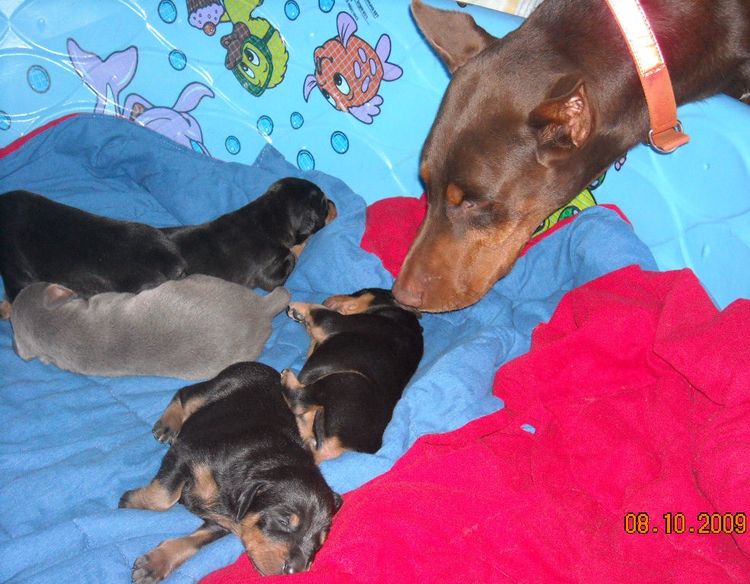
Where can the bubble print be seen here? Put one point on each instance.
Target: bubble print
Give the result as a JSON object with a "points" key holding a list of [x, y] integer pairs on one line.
{"points": [[38, 78], [305, 160], [265, 125], [167, 11], [339, 142], [296, 120], [291, 9], [232, 145], [326, 5], [178, 60]]}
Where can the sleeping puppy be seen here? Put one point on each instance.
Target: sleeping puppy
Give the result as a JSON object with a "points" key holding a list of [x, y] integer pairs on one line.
{"points": [[236, 460], [256, 245], [364, 349], [190, 328]]}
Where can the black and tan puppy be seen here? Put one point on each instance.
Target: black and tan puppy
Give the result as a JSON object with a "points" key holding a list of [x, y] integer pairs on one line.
{"points": [[237, 461], [364, 349], [256, 245]]}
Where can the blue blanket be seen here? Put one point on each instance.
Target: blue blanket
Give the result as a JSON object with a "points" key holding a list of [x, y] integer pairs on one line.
{"points": [[72, 444]]}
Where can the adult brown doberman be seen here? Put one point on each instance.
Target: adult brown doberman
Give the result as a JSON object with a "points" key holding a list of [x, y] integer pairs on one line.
{"points": [[528, 120]]}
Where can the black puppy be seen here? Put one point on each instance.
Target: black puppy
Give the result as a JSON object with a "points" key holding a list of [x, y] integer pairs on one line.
{"points": [[256, 245], [236, 460], [364, 349]]}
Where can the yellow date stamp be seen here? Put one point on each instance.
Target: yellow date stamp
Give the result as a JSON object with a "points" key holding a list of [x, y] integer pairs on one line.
{"points": [[705, 524]]}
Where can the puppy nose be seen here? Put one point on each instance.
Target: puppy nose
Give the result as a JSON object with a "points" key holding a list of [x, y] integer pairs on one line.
{"points": [[292, 566], [297, 561], [406, 295]]}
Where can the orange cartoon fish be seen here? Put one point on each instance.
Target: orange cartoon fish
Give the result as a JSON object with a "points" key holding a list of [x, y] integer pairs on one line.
{"points": [[348, 71]]}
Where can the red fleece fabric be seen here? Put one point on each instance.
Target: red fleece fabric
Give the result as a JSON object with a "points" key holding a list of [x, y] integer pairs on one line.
{"points": [[639, 391], [390, 227]]}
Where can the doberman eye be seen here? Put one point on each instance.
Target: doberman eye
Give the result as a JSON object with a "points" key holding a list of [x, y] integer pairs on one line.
{"points": [[341, 83], [288, 522]]}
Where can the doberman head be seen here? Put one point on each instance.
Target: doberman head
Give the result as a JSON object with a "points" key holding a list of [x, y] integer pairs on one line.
{"points": [[530, 119]]}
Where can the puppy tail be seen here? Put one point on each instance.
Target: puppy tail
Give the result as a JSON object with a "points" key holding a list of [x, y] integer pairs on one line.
{"points": [[277, 300]]}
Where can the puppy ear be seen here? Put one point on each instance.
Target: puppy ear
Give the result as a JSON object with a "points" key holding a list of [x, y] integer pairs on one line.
{"points": [[247, 497], [319, 430], [563, 120], [455, 36], [54, 294]]}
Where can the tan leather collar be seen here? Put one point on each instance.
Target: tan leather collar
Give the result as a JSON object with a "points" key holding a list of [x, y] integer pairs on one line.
{"points": [[666, 133]]}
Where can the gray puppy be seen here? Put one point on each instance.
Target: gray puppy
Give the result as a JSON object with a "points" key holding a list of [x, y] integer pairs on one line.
{"points": [[191, 328]]}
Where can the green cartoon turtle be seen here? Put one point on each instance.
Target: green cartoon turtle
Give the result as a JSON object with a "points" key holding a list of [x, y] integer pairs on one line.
{"points": [[256, 53]]}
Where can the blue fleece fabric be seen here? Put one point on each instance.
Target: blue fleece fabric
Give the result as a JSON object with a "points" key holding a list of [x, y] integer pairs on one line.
{"points": [[71, 444]]}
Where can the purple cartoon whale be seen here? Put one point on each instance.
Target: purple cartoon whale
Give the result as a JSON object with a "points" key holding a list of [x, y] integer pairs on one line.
{"points": [[348, 71], [108, 78], [175, 122], [104, 77]]}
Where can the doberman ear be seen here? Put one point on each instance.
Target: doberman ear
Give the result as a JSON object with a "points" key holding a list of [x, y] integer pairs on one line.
{"points": [[564, 120], [455, 36], [247, 497]]}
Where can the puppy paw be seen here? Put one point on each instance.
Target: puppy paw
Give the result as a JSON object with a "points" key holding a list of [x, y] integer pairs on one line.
{"points": [[5, 310], [126, 500], [289, 379], [164, 432], [347, 305], [298, 311], [297, 249], [150, 568]]}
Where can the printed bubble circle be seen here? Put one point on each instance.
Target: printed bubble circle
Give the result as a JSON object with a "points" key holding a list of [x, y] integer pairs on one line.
{"points": [[38, 78], [326, 5], [339, 142], [177, 59], [167, 11], [232, 145], [291, 9], [305, 160], [4, 121], [265, 125], [296, 120]]}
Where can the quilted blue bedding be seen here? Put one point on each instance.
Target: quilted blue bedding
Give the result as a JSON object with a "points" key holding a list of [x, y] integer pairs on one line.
{"points": [[71, 444]]}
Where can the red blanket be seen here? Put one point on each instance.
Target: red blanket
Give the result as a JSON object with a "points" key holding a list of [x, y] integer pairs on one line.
{"points": [[639, 392]]}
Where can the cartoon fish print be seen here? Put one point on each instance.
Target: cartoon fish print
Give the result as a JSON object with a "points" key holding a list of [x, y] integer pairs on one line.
{"points": [[256, 52], [348, 71]]}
